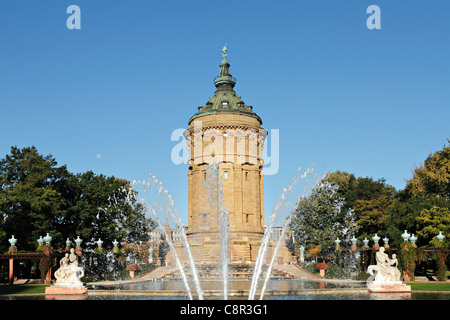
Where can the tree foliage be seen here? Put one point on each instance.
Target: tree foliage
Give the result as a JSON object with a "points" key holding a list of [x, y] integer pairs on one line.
{"points": [[31, 204], [429, 193], [372, 215], [319, 219], [37, 197], [432, 177], [432, 221]]}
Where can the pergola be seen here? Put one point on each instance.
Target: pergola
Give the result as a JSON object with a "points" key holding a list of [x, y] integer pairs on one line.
{"points": [[23, 256]]}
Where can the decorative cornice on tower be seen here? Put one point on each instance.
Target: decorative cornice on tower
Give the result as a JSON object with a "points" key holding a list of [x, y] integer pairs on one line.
{"points": [[225, 99]]}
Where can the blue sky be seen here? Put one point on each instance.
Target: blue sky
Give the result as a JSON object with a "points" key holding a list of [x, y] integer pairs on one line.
{"points": [[371, 102]]}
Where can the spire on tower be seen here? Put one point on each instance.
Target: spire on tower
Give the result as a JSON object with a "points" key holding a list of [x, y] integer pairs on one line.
{"points": [[224, 77]]}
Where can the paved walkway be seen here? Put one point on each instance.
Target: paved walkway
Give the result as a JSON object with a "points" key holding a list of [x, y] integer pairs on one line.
{"points": [[153, 275], [298, 272]]}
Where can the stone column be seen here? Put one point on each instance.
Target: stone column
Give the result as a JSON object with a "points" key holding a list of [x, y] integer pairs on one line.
{"points": [[12, 250], [11, 271], [48, 252]]}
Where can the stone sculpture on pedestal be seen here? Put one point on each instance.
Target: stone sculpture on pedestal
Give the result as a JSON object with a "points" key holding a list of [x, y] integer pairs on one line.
{"points": [[68, 276], [385, 276]]}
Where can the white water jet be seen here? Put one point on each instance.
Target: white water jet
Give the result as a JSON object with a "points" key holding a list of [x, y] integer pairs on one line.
{"points": [[172, 248], [284, 207], [214, 188], [269, 270], [162, 204]]}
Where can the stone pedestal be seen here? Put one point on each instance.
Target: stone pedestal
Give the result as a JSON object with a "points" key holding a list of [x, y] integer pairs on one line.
{"points": [[388, 288], [65, 290]]}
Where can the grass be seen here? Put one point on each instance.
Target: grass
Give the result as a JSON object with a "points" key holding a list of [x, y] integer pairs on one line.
{"points": [[429, 286], [23, 289]]}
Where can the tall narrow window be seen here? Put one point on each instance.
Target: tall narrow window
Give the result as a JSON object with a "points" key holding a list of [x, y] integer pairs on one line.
{"points": [[246, 218], [225, 175], [246, 175]]}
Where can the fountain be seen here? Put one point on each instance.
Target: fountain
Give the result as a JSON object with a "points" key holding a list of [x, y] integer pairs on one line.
{"points": [[159, 204], [282, 212], [262, 279]]}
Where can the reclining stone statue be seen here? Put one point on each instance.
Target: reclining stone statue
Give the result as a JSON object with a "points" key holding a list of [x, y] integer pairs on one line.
{"points": [[385, 271], [69, 273]]}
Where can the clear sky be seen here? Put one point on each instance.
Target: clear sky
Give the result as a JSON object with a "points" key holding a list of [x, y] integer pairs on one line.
{"points": [[107, 97]]}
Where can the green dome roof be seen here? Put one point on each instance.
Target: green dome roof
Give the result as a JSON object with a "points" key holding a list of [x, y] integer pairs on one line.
{"points": [[225, 99]]}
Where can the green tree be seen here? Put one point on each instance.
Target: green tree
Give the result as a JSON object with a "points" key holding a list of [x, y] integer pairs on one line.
{"points": [[404, 213], [372, 216], [424, 205], [30, 203], [319, 218], [368, 198], [433, 177], [37, 197], [432, 221], [97, 207]]}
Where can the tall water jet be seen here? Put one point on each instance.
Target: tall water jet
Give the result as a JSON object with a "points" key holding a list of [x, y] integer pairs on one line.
{"points": [[214, 189], [281, 212], [158, 203]]}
